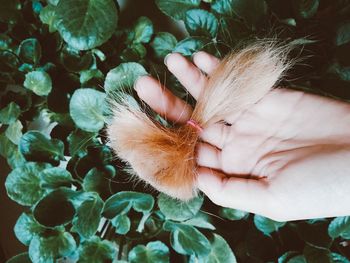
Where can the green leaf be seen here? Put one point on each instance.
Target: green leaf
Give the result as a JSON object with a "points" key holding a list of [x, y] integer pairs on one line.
{"points": [[155, 251], [305, 8], [134, 52], [54, 209], [266, 225], [10, 151], [177, 210], [98, 180], [337, 258], [317, 255], [343, 34], [122, 224], [201, 23], [120, 203], [190, 45], [142, 31], [8, 61], [10, 113], [176, 8], [123, 76], [79, 140], [88, 216], [187, 240], [39, 82], [87, 75], [200, 220], [233, 214], [30, 51], [35, 146], [49, 249], [163, 44], [14, 132], [26, 228], [286, 257], [340, 227], [89, 24], [55, 177], [20, 258], [48, 17], [74, 61], [97, 251], [220, 251], [23, 183], [87, 107]]}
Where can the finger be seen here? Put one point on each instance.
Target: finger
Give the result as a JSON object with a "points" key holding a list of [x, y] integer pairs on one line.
{"points": [[243, 194], [205, 61], [161, 100], [209, 156], [217, 134], [187, 73]]}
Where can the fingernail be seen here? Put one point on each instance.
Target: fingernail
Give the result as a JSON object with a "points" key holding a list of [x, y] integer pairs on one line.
{"points": [[137, 79], [166, 58], [192, 56]]}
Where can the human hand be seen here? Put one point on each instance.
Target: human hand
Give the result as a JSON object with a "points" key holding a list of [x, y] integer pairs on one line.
{"points": [[297, 141]]}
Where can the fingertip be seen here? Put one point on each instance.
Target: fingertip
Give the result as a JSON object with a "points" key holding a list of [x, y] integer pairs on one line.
{"points": [[174, 60], [209, 181], [206, 62]]}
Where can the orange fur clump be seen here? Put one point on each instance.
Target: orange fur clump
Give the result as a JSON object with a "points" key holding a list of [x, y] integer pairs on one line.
{"points": [[165, 157]]}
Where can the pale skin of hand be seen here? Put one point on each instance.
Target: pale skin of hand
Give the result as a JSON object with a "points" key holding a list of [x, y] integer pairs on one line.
{"points": [[299, 142]]}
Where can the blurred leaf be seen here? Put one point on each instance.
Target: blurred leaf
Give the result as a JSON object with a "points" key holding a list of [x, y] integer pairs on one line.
{"points": [[23, 183], [8, 61], [87, 107], [97, 251], [54, 209], [337, 258], [14, 132], [190, 45], [134, 52], [30, 51], [315, 234], [9, 10], [20, 258], [201, 23], [305, 8], [155, 251], [317, 255], [120, 203], [35, 146], [220, 251], [177, 210], [88, 216], [176, 8], [340, 227], [74, 60], [39, 82], [26, 228], [98, 180], [266, 225], [288, 256], [89, 24], [47, 16], [79, 140], [200, 220], [187, 240], [122, 224], [10, 113], [123, 77], [55, 177], [142, 31], [163, 44], [46, 249], [233, 214], [89, 74], [10, 151], [343, 34]]}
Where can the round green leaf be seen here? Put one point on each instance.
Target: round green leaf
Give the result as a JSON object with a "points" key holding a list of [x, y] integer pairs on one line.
{"points": [[73, 61], [233, 214], [89, 24], [177, 210], [267, 225], [23, 183], [54, 209], [340, 226], [155, 251], [20, 258], [48, 17], [337, 258], [123, 76], [187, 240], [98, 180], [201, 23], [120, 203], [10, 113], [30, 51], [54, 177], [88, 216], [163, 44], [177, 8], [87, 107], [79, 140], [122, 224], [142, 30], [220, 251], [39, 82], [190, 45], [201, 220], [26, 228], [97, 251], [35, 146], [49, 249], [14, 132]]}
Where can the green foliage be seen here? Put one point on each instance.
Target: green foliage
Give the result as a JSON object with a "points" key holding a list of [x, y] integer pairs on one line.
{"points": [[60, 62]]}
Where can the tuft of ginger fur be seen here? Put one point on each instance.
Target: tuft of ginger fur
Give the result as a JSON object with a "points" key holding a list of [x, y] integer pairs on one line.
{"points": [[165, 157]]}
